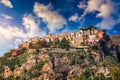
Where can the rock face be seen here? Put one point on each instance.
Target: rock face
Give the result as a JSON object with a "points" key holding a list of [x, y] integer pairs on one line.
{"points": [[116, 39], [7, 72], [37, 64]]}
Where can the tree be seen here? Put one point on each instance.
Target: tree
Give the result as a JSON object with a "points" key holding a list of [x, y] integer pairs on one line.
{"points": [[38, 44], [57, 43], [64, 44], [22, 50], [81, 29], [89, 27], [31, 46]]}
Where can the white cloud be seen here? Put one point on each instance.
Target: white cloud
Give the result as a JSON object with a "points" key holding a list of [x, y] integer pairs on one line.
{"points": [[105, 8], [92, 6], [7, 3], [107, 23], [51, 17], [106, 11], [8, 35], [74, 17], [6, 16], [32, 26], [11, 36], [11, 31]]}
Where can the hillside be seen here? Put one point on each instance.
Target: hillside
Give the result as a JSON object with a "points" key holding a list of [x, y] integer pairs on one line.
{"points": [[59, 61], [116, 38]]}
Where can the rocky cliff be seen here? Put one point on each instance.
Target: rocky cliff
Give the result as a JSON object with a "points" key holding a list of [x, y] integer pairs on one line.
{"points": [[99, 61]]}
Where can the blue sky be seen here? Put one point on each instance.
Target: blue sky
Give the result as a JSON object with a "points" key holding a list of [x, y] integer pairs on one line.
{"points": [[22, 19]]}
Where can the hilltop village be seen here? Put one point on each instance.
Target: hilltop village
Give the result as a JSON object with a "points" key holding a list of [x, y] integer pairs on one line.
{"points": [[78, 39], [86, 54]]}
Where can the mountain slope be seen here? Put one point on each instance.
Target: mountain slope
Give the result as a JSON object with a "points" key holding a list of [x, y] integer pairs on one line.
{"points": [[100, 60], [116, 38]]}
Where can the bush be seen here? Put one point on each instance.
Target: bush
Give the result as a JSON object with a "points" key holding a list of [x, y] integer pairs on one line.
{"points": [[76, 57], [22, 50], [87, 73], [35, 71], [109, 61], [22, 58], [1, 69], [11, 63], [1, 78], [39, 65], [108, 78], [96, 78], [7, 55], [95, 47], [64, 44], [72, 63], [81, 77]]}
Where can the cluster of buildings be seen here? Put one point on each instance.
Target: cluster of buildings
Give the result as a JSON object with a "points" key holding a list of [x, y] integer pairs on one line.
{"points": [[76, 39]]}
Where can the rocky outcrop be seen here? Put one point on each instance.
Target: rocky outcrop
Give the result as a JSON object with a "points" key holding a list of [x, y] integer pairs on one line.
{"points": [[7, 72], [38, 64]]}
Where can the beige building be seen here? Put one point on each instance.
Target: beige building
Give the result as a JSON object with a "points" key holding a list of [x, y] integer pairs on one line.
{"points": [[34, 39], [25, 44]]}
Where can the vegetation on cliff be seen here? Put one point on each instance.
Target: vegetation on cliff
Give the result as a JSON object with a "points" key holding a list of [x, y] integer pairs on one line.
{"points": [[58, 61]]}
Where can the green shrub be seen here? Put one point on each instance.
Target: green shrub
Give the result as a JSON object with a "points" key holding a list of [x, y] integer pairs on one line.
{"points": [[64, 44], [1, 78], [1, 69], [96, 78], [108, 78], [11, 63], [39, 65], [22, 58], [81, 77], [87, 73]]}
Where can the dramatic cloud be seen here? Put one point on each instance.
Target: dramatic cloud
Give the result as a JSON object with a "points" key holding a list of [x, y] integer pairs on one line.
{"points": [[32, 26], [105, 8], [107, 23], [11, 36], [6, 3], [52, 18], [92, 6], [9, 32], [8, 35], [6, 16], [74, 17]]}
